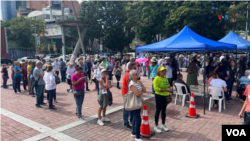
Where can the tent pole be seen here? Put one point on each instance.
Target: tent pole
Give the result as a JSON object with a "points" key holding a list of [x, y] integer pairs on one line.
{"points": [[204, 76]]}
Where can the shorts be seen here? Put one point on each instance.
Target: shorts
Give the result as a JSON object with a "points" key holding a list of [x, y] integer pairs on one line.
{"points": [[102, 100], [69, 81]]}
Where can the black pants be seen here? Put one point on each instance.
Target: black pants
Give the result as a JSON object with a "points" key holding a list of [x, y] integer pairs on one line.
{"points": [[89, 74], [50, 96], [17, 83], [216, 101], [118, 77], [161, 106]]}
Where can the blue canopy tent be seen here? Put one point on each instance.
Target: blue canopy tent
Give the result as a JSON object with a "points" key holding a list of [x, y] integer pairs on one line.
{"points": [[187, 40], [233, 38]]}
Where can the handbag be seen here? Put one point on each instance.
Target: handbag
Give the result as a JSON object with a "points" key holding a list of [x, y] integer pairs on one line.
{"points": [[114, 72], [58, 80], [35, 83], [132, 102]]}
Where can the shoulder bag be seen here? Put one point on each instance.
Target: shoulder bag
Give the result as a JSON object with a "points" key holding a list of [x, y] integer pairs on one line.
{"points": [[114, 72], [58, 80], [35, 83], [132, 102]]}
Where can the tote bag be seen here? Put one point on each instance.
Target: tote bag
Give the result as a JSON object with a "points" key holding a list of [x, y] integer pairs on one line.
{"points": [[132, 102]]}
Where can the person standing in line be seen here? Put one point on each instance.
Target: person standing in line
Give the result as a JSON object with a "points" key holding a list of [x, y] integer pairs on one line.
{"points": [[97, 75], [44, 65], [233, 72], [66, 67], [186, 61], [110, 67], [169, 72], [132, 60], [33, 65], [137, 88], [162, 97], [242, 66], [18, 75], [89, 64], [147, 63], [28, 77], [50, 86], [138, 69], [5, 76], [104, 85], [85, 71], [181, 61], [70, 72], [56, 65], [125, 83], [13, 75], [103, 62], [78, 80], [38, 76], [175, 67], [62, 67], [144, 69], [246, 107], [124, 68], [192, 73], [118, 74], [153, 68], [24, 76]]}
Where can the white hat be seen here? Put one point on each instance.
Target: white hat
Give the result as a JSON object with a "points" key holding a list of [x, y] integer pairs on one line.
{"points": [[103, 70]]}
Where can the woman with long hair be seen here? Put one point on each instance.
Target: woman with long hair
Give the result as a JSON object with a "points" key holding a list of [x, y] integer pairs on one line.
{"points": [[78, 79]]}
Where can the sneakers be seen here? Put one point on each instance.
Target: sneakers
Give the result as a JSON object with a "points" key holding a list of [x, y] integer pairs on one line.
{"points": [[164, 127], [127, 126], [138, 139], [70, 91], [100, 122], [81, 117], [157, 129], [133, 136], [105, 119]]}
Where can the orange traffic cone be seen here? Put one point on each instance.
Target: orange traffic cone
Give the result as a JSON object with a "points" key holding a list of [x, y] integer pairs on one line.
{"points": [[192, 110], [145, 128]]}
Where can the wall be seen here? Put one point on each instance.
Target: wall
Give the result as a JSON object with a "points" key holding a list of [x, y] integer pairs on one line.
{"points": [[39, 5], [16, 54], [4, 54]]}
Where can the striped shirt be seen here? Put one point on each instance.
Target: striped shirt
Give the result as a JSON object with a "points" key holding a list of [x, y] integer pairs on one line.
{"points": [[137, 85]]}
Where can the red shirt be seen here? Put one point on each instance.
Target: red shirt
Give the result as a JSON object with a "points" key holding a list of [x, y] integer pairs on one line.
{"points": [[24, 72], [125, 83]]}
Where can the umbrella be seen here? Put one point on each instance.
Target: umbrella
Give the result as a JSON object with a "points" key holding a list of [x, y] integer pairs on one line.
{"points": [[141, 60]]}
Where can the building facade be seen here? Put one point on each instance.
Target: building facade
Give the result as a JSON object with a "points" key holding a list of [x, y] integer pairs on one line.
{"points": [[7, 9]]}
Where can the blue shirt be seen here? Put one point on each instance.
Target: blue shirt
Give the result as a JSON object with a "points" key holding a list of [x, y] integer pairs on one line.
{"points": [[109, 65], [154, 70], [244, 80], [18, 69], [62, 65]]}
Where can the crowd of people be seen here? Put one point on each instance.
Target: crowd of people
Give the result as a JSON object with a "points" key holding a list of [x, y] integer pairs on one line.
{"points": [[164, 72]]}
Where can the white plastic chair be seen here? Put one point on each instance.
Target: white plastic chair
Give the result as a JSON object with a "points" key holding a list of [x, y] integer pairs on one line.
{"points": [[215, 96], [197, 90], [179, 92]]}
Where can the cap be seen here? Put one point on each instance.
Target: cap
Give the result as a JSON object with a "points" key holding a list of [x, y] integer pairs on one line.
{"points": [[162, 68], [103, 70]]}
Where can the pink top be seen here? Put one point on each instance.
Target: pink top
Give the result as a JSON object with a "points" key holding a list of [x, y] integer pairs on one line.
{"points": [[147, 63], [247, 94], [76, 77]]}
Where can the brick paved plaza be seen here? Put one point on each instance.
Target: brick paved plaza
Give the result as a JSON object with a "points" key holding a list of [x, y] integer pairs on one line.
{"points": [[21, 120]]}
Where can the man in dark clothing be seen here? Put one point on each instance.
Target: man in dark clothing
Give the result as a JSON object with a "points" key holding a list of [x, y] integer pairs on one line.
{"points": [[118, 58], [180, 81], [174, 66]]}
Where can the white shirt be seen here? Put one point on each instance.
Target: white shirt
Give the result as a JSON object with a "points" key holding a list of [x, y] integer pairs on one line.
{"points": [[70, 71], [49, 80], [56, 66], [169, 73], [127, 66], [97, 74], [218, 83]]}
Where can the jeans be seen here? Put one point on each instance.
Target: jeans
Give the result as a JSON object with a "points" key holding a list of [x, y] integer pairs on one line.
{"points": [[57, 73], [97, 86], [161, 106], [136, 123], [125, 117], [79, 102], [63, 74], [5, 78], [17, 83], [13, 82], [24, 82], [118, 77], [144, 70], [51, 94], [149, 72], [110, 75], [32, 88], [39, 94], [54, 96], [153, 90]]}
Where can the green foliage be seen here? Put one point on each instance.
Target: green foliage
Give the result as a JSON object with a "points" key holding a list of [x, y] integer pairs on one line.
{"points": [[107, 20], [20, 30]]}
